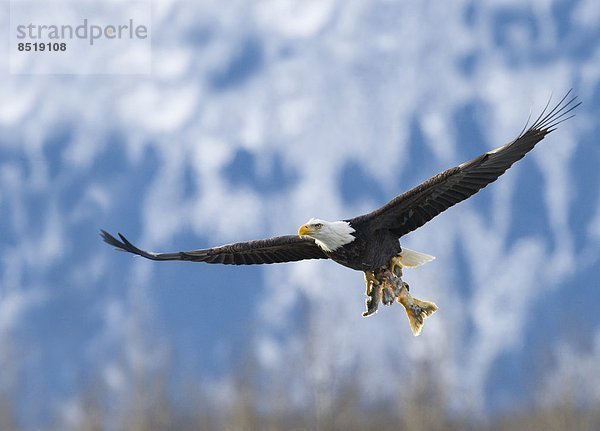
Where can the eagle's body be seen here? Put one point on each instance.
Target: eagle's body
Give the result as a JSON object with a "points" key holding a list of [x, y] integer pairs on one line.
{"points": [[368, 249], [370, 243]]}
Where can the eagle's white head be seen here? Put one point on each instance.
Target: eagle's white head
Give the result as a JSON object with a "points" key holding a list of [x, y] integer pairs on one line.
{"points": [[329, 235]]}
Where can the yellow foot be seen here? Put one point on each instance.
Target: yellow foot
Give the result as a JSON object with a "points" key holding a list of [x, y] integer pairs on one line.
{"points": [[370, 280], [373, 293], [396, 263]]}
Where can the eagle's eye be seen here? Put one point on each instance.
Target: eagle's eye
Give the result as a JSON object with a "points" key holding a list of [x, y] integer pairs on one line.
{"points": [[318, 225]]}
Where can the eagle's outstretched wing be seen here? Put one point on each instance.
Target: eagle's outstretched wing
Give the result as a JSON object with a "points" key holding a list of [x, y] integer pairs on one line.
{"points": [[279, 249], [416, 207]]}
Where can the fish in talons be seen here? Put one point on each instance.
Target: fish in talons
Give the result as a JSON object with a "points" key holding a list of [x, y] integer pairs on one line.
{"points": [[385, 285]]}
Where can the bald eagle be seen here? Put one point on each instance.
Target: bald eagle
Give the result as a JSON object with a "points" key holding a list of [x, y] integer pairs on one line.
{"points": [[370, 242]]}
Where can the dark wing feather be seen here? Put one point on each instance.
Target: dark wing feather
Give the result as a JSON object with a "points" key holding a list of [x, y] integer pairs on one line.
{"points": [[279, 249], [416, 207]]}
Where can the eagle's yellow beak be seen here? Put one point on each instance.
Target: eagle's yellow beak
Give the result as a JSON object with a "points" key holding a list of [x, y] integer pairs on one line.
{"points": [[304, 230]]}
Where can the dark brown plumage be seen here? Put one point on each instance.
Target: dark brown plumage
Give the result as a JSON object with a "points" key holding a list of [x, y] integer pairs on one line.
{"points": [[289, 248], [417, 206], [376, 234]]}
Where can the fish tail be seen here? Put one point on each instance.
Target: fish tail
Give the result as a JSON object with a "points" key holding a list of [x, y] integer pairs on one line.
{"points": [[417, 311]]}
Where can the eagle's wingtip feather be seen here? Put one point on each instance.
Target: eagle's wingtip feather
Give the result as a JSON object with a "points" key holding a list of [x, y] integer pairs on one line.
{"points": [[109, 239], [123, 245]]}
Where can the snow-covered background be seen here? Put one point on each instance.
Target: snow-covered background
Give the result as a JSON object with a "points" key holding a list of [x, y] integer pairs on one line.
{"points": [[259, 115]]}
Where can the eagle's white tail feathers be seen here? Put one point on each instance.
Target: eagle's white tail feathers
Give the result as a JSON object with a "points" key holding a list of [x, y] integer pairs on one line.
{"points": [[412, 259]]}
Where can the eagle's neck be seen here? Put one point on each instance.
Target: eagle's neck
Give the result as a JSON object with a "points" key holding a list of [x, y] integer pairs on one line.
{"points": [[334, 235]]}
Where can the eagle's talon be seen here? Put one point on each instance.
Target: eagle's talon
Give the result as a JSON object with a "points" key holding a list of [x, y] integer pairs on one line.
{"points": [[396, 265], [373, 293]]}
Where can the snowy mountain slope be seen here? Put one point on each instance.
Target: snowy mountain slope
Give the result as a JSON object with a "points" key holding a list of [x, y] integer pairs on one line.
{"points": [[260, 115]]}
